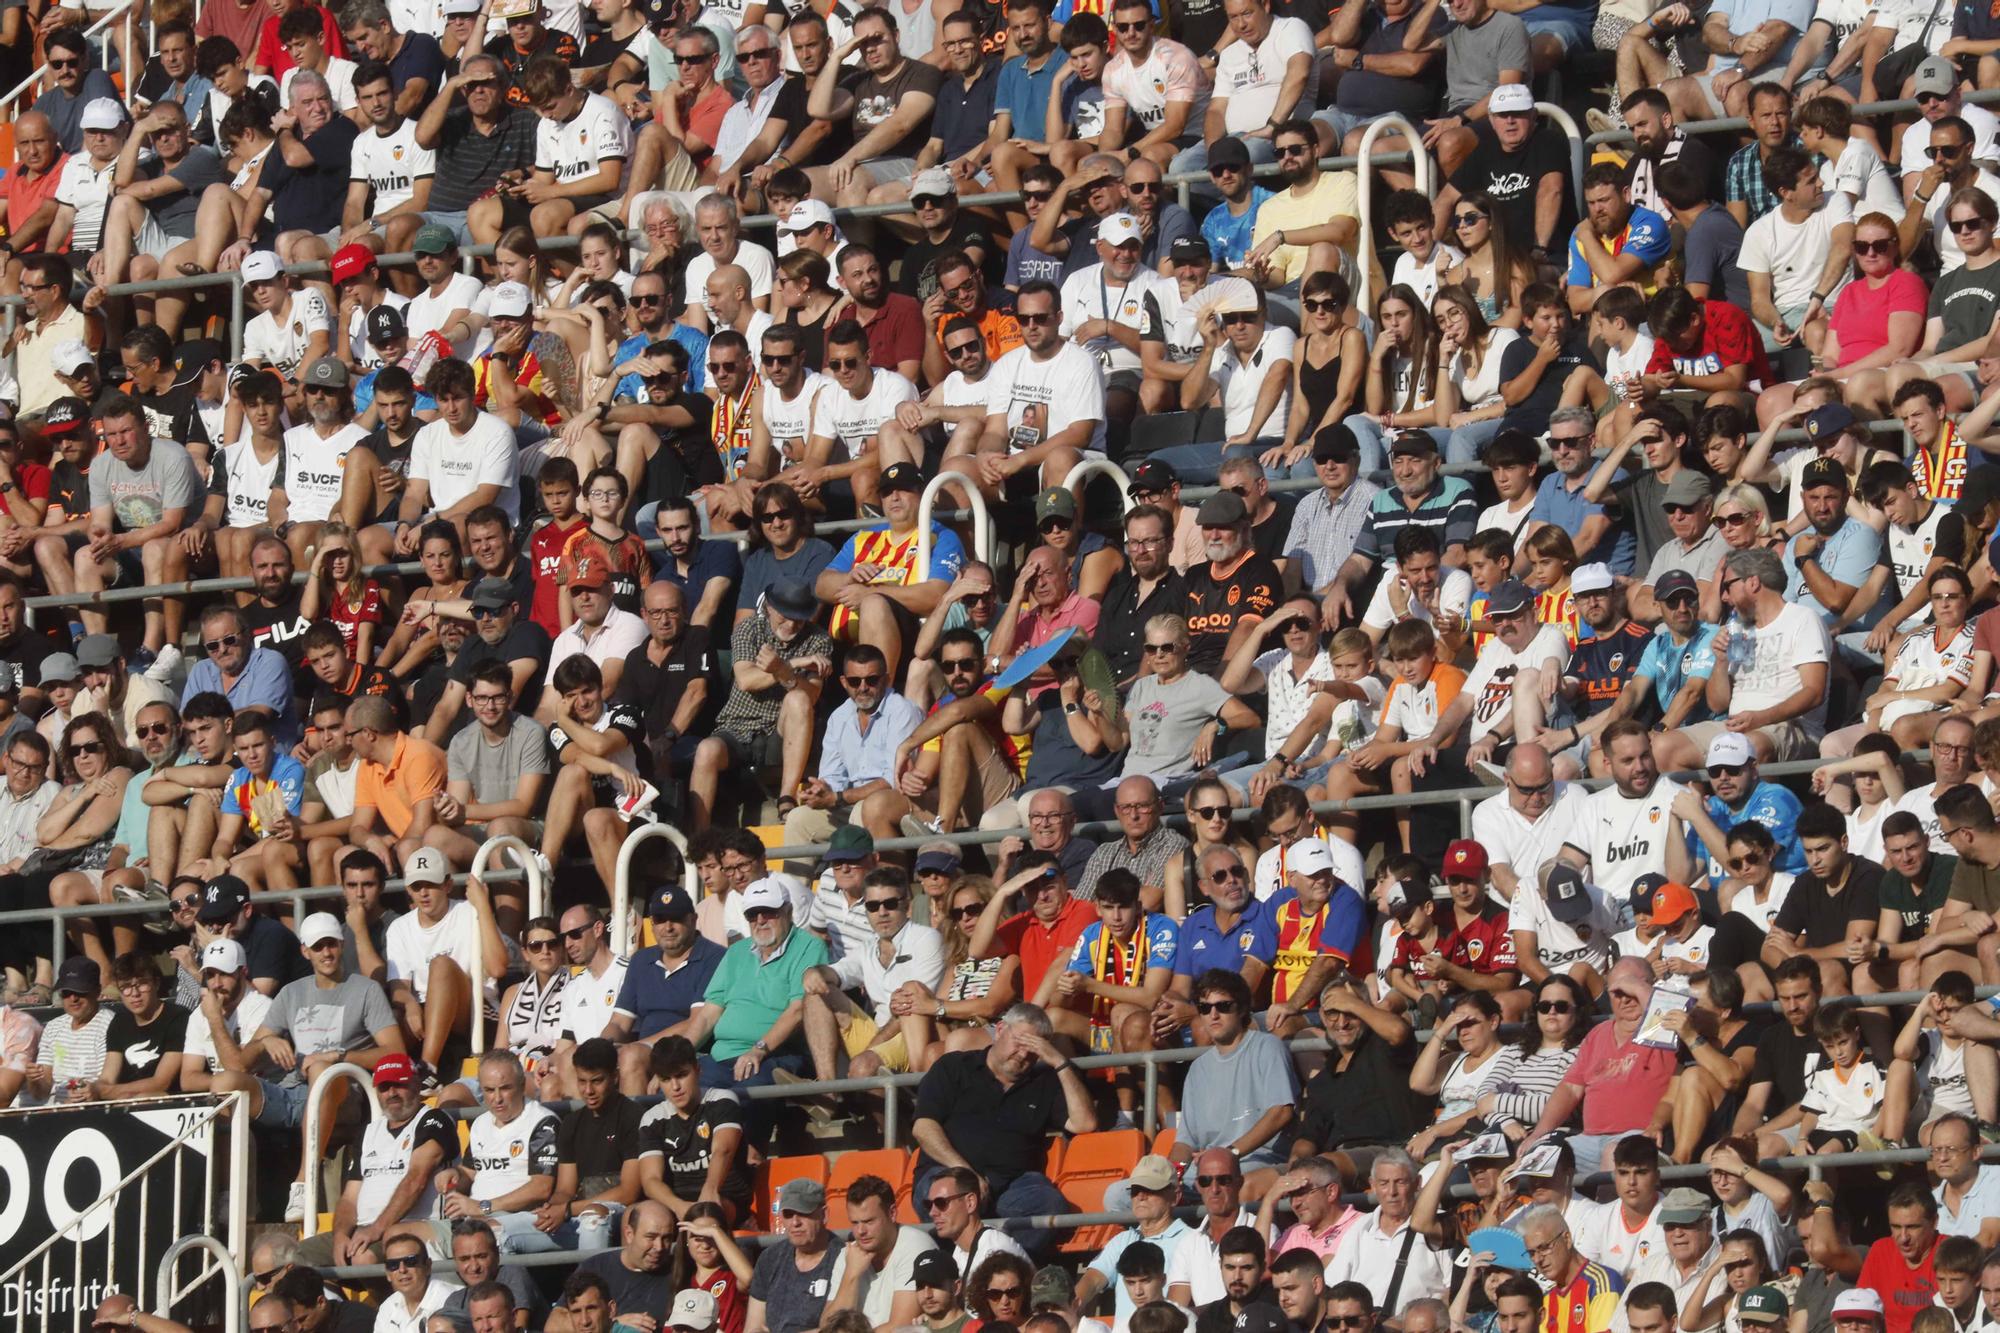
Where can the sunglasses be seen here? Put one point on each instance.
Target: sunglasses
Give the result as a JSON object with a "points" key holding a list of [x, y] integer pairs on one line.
{"points": [[1037, 196], [536, 946], [1569, 441], [969, 911], [1161, 648], [1055, 522], [1680, 509], [1238, 317], [1745, 861], [775, 516], [1210, 811], [1143, 187], [882, 904], [1882, 247], [157, 729], [1132, 27], [1226, 169], [486, 612], [956, 664], [403, 1261], [761, 53], [927, 201], [1210, 1182], [1539, 789], [1733, 519], [1003, 1293], [226, 641], [862, 682], [1035, 320], [54, 63], [780, 358], [187, 904], [1553, 1006], [1968, 224], [943, 1201], [1321, 304], [1466, 219], [1939, 151], [724, 367], [1293, 149], [846, 362], [1215, 1007], [962, 349], [87, 747], [1726, 770], [755, 914]]}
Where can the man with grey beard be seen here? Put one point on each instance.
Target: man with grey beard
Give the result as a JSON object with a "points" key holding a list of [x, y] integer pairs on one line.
{"points": [[326, 472], [1229, 597]]}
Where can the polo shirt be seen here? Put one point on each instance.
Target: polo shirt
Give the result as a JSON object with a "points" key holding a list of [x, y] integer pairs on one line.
{"points": [[1368, 1255], [1980, 1202], [1565, 507], [712, 560], [655, 996], [266, 682], [964, 113], [1447, 508], [416, 770], [1024, 94], [896, 333], [1041, 947], [752, 991], [1204, 944], [1002, 1132]]}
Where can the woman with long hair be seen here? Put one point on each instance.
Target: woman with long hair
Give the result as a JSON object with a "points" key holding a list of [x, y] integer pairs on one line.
{"points": [[1876, 320], [1513, 1096], [414, 641], [1208, 806], [339, 591], [975, 991], [807, 297], [1743, 517], [998, 1289], [80, 826], [1743, 1263], [1400, 384], [1495, 270], [517, 257], [1452, 1066], [1469, 404], [1327, 365]]}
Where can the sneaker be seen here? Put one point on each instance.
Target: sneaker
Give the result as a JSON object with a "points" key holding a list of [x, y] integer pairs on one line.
{"points": [[140, 658], [1599, 122], [164, 666], [295, 1202], [919, 826], [1427, 1012], [149, 892], [427, 1079]]}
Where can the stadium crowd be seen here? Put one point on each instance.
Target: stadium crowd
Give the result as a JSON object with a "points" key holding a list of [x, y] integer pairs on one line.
{"points": [[1592, 508]]}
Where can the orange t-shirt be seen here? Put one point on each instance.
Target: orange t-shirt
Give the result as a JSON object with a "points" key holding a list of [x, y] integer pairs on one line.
{"points": [[24, 196], [416, 770]]}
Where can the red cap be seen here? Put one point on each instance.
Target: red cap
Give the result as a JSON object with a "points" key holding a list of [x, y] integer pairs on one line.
{"points": [[1671, 902], [1465, 859], [351, 261], [393, 1069], [590, 574]]}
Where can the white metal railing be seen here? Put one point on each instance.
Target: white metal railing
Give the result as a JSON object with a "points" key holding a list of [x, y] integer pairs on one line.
{"points": [[524, 856], [128, 11], [99, 1215], [353, 1073], [1420, 161], [982, 522], [623, 935], [1577, 152], [166, 1295], [1103, 467]]}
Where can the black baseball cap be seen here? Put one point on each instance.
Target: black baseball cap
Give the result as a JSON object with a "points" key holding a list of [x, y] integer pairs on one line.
{"points": [[385, 324], [670, 903], [1190, 250], [1154, 474], [902, 477], [222, 898]]}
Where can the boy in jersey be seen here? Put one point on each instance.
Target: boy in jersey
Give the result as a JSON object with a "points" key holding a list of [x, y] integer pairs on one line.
{"points": [[692, 1138], [247, 471], [1318, 921], [557, 483], [602, 759], [1122, 964], [1594, 692], [1422, 690], [1845, 1096], [261, 770], [1940, 458], [326, 802], [290, 330], [1681, 944], [1923, 536]]}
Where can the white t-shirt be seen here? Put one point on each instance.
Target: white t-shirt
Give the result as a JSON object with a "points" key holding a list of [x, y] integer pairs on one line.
{"points": [[1044, 398], [1481, 388], [391, 163], [1912, 150], [1454, 596], [455, 464], [409, 946], [249, 1016], [789, 421], [1250, 76], [853, 421], [1560, 943], [1865, 179], [878, 1290], [576, 148], [1508, 837], [1171, 73], [1491, 681], [958, 391], [1623, 369], [87, 189], [1425, 279], [1617, 1245], [283, 345], [1507, 519], [366, 358], [1763, 914], [312, 471], [1241, 384], [427, 311], [751, 257], [1794, 253], [1087, 292], [250, 480], [1626, 837], [1770, 675]]}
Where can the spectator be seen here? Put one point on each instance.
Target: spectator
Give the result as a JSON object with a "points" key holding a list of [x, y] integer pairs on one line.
{"points": [[876, 1270], [792, 1279], [1615, 1082], [1372, 1253]]}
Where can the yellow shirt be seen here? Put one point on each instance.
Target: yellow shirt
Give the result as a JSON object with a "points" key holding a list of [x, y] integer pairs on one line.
{"points": [[1335, 195]]}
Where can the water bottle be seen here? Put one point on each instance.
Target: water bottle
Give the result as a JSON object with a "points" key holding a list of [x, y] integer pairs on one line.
{"points": [[1742, 646]]}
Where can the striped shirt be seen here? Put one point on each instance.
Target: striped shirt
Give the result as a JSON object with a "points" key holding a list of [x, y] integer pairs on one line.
{"points": [[74, 1052], [1586, 1305], [468, 162]]}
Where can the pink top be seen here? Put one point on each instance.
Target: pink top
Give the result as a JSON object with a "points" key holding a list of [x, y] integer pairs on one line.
{"points": [[1037, 627], [1861, 316], [1297, 1236], [20, 1039], [1623, 1082]]}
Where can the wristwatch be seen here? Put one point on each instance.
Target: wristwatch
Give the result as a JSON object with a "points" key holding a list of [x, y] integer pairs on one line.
{"points": [[1071, 710], [1357, 61]]}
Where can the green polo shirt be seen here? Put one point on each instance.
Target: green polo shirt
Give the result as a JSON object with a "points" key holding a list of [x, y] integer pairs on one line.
{"points": [[752, 992]]}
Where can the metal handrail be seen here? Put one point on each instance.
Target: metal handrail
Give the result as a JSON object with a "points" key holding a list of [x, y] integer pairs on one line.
{"points": [[1739, 124], [353, 1073], [1578, 155], [982, 523], [1364, 201], [524, 856], [1103, 467], [165, 1297], [127, 11], [621, 879]]}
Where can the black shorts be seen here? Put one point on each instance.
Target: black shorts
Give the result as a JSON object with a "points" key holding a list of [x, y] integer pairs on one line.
{"points": [[752, 754]]}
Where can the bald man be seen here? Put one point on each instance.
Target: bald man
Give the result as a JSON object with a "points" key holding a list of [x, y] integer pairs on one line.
{"points": [[121, 1311], [29, 203], [728, 289], [1618, 1083]]}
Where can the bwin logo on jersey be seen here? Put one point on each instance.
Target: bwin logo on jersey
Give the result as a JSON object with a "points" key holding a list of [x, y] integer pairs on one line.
{"points": [[1629, 851]]}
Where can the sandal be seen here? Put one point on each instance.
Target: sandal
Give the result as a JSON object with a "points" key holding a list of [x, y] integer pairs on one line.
{"points": [[786, 804]]}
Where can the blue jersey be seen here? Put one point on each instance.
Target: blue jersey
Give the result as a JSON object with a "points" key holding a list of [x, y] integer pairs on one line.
{"points": [[288, 778], [1670, 665], [1645, 237], [1202, 945], [1603, 663], [1228, 234], [1770, 805]]}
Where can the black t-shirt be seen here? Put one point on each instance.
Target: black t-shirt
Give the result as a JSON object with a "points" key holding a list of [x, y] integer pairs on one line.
{"points": [[27, 649], [1001, 1132], [143, 1045], [1512, 179], [311, 199], [1821, 918], [657, 690], [1785, 1060], [1221, 1316], [1198, 23], [278, 627], [272, 951], [683, 1143], [171, 415], [1365, 92], [686, 460], [526, 639], [599, 1143], [69, 486], [1122, 617], [633, 1293], [918, 276], [1531, 414], [1368, 1102], [1215, 607], [1267, 539]]}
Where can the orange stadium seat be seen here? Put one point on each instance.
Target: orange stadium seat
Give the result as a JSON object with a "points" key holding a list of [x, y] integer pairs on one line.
{"points": [[892, 1164], [1090, 1164], [772, 1176]]}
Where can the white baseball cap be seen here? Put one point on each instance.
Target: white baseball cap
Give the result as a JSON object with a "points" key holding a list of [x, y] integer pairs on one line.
{"points": [[693, 1308], [318, 928], [459, 9], [102, 113], [222, 956], [508, 300], [67, 358], [1118, 229], [1308, 856], [1510, 99], [1593, 577], [807, 214], [766, 893], [259, 266], [426, 865], [1730, 749], [1858, 1300]]}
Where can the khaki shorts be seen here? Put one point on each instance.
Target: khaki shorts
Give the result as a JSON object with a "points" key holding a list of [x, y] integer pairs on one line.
{"points": [[1788, 739], [999, 783], [859, 1036]]}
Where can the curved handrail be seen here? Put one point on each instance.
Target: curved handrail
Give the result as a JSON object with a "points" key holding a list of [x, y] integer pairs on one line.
{"points": [[163, 1275], [1578, 154], [9, 102], [353, 1073], [982, 521], [1102, 467], [1420, 160], [621, 880], [524, 856]]}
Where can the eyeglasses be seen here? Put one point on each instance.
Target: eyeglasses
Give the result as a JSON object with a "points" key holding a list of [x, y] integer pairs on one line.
{"points": [[1881, 247], [863, 682], [226, 641], [87, 747], [1161, 648], [579, 932], [882, 904], [1553, 1006], [938, 1202], [610, 492], [1215, 1007], [1210, 811], [404, 1261], [536, 946]]}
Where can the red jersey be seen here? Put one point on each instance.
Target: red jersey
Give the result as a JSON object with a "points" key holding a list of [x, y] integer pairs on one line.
{"points": [[1728, 338], [271, 53], [349, 617], [730, 1307], [1484, 945], [545, 552], [1904, 1290], [1411, 952], [631, 567]]}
